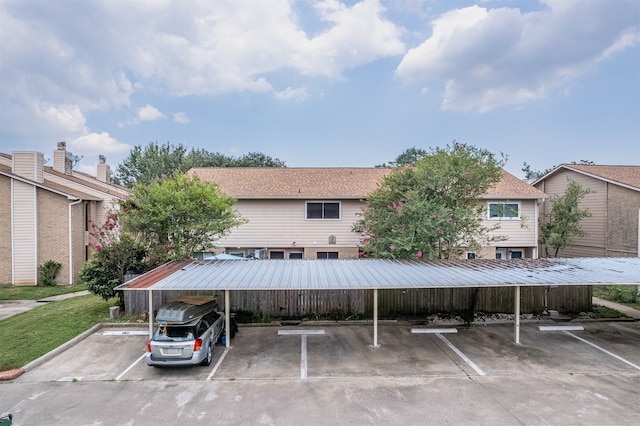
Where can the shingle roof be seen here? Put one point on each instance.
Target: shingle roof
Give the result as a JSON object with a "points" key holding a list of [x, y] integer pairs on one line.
{"points": [[621, 175], [513, 188], [51, 186], [308, 182], [286, 182]]}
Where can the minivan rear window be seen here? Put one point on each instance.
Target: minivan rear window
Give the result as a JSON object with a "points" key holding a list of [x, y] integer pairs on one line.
{"points": [[174, 333]]}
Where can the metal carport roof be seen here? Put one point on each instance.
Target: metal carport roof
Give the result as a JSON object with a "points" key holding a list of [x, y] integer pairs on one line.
{"points": [[376, 274], [384, 274]]}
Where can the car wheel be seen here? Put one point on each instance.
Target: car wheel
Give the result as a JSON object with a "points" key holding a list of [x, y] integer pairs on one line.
{"points": [[207, 360]]}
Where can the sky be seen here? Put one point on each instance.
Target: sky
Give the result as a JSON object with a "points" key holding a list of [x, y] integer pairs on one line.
{"points": [[324, 83]]}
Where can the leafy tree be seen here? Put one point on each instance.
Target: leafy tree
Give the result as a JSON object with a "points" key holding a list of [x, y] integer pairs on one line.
{"points": [[144, 165], [409, 156], [559, 227], [108, 266], [431, 210], [179, 215], [530, 173]]}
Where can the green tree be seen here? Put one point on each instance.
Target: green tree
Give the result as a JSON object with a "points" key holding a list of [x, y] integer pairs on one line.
{"points": [[108, 266], [409, 156], [559, 227], [179, 215], [143, 165], [431, 210]]}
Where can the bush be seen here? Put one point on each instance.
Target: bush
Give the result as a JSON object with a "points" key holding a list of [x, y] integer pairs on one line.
{"points": [[618, 293], [47, 273]]}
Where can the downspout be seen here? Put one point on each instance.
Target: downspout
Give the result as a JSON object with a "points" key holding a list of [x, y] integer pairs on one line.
{"points": [[75, 203]]}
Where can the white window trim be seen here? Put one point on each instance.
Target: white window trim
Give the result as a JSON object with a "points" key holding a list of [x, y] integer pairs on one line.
{"points": [[323, 202], [489, 203], [475, 255]]}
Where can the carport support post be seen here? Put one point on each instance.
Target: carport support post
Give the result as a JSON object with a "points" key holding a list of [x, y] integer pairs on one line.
{"points": [[227, 319], [375, 317], [516, 315], [150, 313]]}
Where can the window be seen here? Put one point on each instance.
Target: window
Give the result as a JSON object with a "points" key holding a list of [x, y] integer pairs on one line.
{"points": [[323, 210], [515, 254], [504, 210], [471, 255], [295, 255], [276, 255], [327, 255]]}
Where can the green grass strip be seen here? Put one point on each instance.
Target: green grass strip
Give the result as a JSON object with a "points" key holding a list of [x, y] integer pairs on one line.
{"points": [[11, 292], [29, 335]]}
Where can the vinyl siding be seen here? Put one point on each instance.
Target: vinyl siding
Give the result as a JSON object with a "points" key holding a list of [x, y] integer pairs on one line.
{"points": [[519, 232], [29, 165], [24, 239], [279, 223], [594, 243], [5, 231]]}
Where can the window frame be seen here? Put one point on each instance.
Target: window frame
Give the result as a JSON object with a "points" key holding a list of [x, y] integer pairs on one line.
{"points": [[327, 255], [323, 203], [503, 204]]}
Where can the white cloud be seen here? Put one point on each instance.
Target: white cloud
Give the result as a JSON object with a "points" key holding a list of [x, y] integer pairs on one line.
{"points": [[181, 117], [98, 143], [489, 58], [149, 113], [292, 94]]}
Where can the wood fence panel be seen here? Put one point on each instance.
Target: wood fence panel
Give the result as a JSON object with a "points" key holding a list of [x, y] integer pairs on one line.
{"points": [[391, 303]]}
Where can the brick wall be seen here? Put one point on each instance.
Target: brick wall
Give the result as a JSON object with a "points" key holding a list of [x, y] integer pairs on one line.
{"points": [[5, 230]]}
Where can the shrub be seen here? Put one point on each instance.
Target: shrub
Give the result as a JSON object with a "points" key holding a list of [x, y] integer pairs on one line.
{"points": [[47, 273]]}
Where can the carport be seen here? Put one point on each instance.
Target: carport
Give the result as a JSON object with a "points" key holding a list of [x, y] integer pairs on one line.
{"points": [[377, 274]]}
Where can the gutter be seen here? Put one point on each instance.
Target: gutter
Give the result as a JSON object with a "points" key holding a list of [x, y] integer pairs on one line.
{"points": [[75, 203]]}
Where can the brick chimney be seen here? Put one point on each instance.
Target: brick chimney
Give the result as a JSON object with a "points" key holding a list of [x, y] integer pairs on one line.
{"points": [[62, 159], [104, 171], [28, 164]]}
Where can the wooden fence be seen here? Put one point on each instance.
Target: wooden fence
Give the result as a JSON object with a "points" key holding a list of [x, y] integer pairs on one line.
{"points": [[391, 303]]}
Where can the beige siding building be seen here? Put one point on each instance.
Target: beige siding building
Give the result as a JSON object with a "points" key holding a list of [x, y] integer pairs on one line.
{"points": [[310, 213], [614, 204], [44, 214]]}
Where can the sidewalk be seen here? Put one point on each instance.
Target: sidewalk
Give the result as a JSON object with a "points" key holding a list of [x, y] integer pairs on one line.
{"points": [[633, 313], [9, 308]]}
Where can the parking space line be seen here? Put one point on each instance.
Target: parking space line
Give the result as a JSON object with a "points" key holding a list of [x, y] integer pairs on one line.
{"points": [[433, 330], [126, 333], [619, 358], [130, 367], [461, 355], [560, 328], [224, 354], [303, 346]]}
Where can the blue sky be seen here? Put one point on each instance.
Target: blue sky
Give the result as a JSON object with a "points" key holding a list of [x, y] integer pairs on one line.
{"points": [[323, 83]]}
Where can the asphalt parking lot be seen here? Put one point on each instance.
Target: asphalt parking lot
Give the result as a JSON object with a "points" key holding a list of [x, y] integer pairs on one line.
{"points": [[325, 373]]}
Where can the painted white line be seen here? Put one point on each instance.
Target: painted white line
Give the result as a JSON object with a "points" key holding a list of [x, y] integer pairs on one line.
{"points": [[604, 350], [131, 366], [299, 332], [303, 357], [224, 354], [433, 330], [461, 355], [560, 328], [126, 333]]}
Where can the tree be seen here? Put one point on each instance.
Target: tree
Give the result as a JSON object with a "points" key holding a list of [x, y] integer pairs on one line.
{"points": [[409, 156], [143, 165], [431, 210], [179, 216], [116, 254], [559, 227], [530, 173]]}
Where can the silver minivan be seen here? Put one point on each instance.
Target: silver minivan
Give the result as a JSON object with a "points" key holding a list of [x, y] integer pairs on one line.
{"points": [[187, 332]]}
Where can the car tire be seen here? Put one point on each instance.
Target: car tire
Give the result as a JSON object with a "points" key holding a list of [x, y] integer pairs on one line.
{"points": [[207, 361]]}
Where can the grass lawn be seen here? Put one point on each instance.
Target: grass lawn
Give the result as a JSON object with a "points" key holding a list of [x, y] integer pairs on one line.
{"points": [[623, 294], [11, 292], [31, 334]]}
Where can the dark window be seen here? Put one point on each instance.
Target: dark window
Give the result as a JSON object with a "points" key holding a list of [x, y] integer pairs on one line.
{"points": [[323, 210], [327, 255], [296, 255], [516, 254], [276, 255], [506, 210], [471, 255]]}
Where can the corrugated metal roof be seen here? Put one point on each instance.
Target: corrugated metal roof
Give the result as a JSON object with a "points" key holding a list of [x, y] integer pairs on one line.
{"points": [[384, 274]]}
